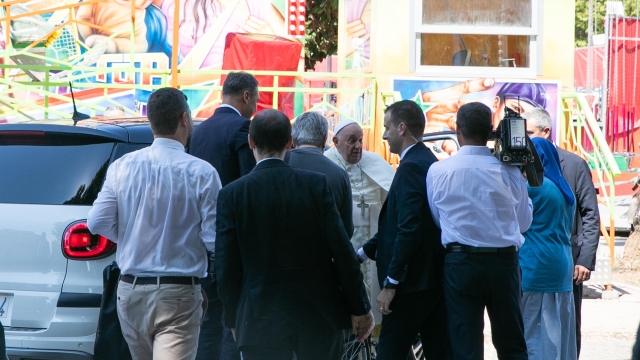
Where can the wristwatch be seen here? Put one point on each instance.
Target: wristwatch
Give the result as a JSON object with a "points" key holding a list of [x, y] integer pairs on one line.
{"points": [[389, 285]]}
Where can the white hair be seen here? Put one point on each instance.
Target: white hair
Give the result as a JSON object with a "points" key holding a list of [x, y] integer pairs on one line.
{"points": [[310, 128], [540, 118]]}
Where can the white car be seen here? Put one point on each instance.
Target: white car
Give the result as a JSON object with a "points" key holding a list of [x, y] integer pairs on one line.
{"points": [[50, 265]]}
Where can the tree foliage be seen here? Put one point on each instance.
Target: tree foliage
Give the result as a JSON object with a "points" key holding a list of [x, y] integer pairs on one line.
{"points": [[599, 12], [321, 35]]}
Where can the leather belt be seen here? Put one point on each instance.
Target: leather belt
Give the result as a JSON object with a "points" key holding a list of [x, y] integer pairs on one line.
{"points": [[163, 280], [472, 249]]}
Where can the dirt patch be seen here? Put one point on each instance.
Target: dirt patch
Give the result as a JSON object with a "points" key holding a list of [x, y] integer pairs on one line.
{"points": [[631, 258], [626, 275]]}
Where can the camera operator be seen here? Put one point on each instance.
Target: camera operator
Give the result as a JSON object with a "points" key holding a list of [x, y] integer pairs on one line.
{"points": [[482, 207]]}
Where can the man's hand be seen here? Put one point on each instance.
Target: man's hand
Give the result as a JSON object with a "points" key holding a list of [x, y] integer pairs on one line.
{"points": [[446, 103], [362, 325], [384, 300], [255, 25], [581, 274], [233, 332]]}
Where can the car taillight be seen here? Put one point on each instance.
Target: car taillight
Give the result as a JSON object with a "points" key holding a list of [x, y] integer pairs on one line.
{"points": [[24, 138], [79, 243]]}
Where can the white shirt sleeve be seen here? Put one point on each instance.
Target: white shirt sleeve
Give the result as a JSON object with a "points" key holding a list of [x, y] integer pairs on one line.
{"points": [[524, 207], [362, 254], [208, 205], [103, 216], [431, 200]]}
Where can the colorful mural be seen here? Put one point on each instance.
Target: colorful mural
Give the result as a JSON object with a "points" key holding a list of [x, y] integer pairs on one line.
{"points": [[440, 99], [125, 34], [358, 34]]}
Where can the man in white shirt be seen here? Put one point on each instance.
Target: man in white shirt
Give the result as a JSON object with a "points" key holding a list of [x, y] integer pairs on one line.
{"points": [[159, 205], [482, 207]]}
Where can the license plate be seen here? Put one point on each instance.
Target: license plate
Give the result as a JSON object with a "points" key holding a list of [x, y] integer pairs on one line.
{"points": [[5, 309]]}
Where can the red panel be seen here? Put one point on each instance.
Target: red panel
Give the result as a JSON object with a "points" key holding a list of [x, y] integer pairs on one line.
{"points": [[580, 71], [264, 52], [622, 105]]}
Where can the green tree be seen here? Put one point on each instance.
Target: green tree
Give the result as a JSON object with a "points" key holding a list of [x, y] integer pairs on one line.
{"points": [[599, 12], [321, 35]]}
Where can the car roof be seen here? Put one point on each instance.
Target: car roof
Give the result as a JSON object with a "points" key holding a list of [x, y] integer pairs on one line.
{"points": [[125, 129]]}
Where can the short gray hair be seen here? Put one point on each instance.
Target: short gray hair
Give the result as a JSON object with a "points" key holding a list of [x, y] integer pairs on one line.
{"points": [[114, 111], [310, 128], [540, 118]]}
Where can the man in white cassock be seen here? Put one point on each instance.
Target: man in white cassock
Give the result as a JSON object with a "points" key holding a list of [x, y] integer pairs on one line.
{"points": [[370, 177]]}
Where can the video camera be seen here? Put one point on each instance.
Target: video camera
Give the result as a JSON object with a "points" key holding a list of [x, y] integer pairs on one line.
{"points": [[514, 147]]}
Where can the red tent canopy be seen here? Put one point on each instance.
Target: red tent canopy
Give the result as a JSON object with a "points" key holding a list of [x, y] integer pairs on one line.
{"points": [[580, 68], [264, 52]]}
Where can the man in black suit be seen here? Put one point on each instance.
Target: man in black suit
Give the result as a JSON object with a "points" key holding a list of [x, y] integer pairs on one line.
{"points": [[287, 274], [407, 248], [221, 140], [586, 227], [309, 133]]}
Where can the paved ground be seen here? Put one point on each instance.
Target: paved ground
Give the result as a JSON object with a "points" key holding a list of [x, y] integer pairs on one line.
{"points": [[608, 326]]}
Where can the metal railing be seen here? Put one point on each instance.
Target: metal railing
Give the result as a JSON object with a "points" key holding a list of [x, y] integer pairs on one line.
{"points": [[578, 125], [44, 64], [361, 108]]}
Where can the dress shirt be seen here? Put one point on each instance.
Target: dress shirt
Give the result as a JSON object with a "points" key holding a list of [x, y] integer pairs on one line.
{"points": [[405, 151], [478, 201], [159, 205], [268, 159], [230, 107]]}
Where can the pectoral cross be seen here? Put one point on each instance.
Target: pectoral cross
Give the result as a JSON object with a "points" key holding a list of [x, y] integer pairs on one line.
{"points": [[362, 204]]}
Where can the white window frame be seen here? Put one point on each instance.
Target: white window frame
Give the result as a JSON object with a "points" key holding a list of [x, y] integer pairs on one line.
{"points": [[533, 32]]}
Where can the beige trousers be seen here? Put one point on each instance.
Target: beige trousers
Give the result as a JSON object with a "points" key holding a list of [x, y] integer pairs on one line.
{"points": [[160, 322]]}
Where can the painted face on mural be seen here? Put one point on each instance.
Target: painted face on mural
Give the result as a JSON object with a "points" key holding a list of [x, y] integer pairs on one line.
{"points": [[520, 106], [348, 141]]}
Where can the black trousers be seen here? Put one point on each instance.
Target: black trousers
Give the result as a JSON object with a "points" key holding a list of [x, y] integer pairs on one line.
{"points": [[577, 301], [636, 347], [3, 347], [473, 281], [299, 344], [215, 341], [421, 312]]}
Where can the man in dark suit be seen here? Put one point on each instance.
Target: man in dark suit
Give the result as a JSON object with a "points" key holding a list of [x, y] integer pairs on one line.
{"points": [[407, 248], [221, 140], [287, 274], [309, 133], [586, 227]]}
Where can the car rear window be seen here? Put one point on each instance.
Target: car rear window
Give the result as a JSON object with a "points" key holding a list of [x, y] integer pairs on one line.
{"points": [[52, 169]]}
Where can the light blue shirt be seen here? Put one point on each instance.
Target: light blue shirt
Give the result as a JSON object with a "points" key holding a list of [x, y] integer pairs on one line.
{"points": [[478, 201], [230, 107]]}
